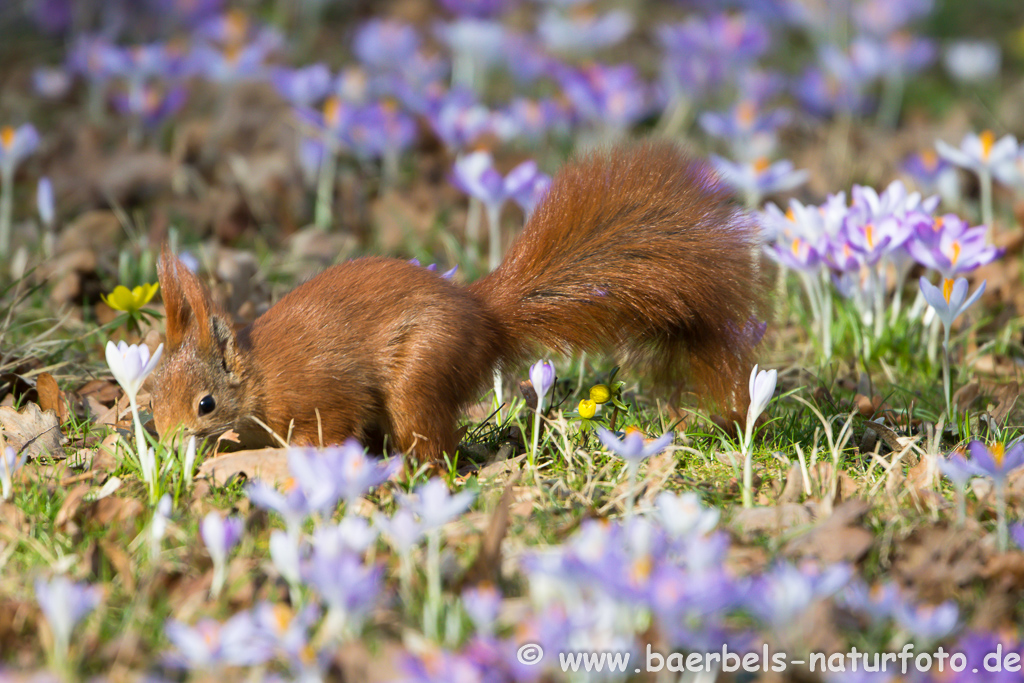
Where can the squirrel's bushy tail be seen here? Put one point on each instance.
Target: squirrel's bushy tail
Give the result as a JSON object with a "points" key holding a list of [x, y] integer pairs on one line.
{"points": [[632, 251]]}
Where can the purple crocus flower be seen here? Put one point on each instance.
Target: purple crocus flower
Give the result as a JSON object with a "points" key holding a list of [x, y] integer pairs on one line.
{"points": [[476, 39], [10, 463], [576, 32], [402, 531], [287, 632], [926, 168], [883, 18], [783, 594], [352, 534], [220, 534], [149, 103], [348, 586], [483, 604], [64, 603], [750, 133], [757, 178], [612, 96], [837, 86], [95, 58], [435, 505], [875, 239], [972, 61], [302, 87], [354, 473], [15, 145], [533, 118], [956, 468], [796, 253], [385, 43], [981, 153], [295, 506], [877, 602], [232, 64], [478, 8], [51, 82], [996, 462], [703, 55], [927, 623], [458, 119], [45, 203], [951, 300], [948, 245], [475, 175], [379, 129], [234, 28], [632, 448], [210, 644], [542, 376]]}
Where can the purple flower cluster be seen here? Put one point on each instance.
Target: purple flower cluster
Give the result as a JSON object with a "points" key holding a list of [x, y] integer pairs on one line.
{"points": [[857, 243]]}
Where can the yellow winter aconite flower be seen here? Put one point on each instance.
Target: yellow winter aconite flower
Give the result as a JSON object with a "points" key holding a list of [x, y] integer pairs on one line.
{"points": [[130, 300], [587, 408], [600, 393]]}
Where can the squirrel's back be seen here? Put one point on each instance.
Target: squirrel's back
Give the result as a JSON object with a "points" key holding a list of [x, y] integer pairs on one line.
{"points": [[634, 251]]}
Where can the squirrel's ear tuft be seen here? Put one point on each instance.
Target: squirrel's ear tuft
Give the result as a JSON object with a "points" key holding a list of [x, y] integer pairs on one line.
{"points": [[185, 299]]}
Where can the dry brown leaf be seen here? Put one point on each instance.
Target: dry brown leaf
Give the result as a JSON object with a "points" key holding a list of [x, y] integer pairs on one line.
{"points": [[751, 522], [105, 511], [13, 516], [32, 430], [68, 512], [51, 397], [120, 561], [838, 538], [936, 561], [266, 464], [358, 662]]}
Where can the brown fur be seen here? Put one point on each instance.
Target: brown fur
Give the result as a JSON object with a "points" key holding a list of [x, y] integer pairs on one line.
{"points": [[628, 253]]}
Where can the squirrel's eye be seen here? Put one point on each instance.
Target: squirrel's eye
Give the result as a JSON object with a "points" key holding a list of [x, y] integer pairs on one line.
{"points": [[206, 405]]}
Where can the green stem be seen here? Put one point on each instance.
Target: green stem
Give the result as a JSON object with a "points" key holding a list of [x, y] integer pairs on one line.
{"points": [[632, 468], [6, 201], [748, 466], [494, 241], [1002, 538], [536, 432], [432, 609], [947, 384], [325, 187], [149, 468], [985, 180]]}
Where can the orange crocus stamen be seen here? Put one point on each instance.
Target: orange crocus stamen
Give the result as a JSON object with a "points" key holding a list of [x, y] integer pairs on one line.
{"points": [[988, 138], [790, 215], [332, 111], [955, 248], [746, 111], [797, 243], [929, 159], [7, 136], [869, 235], [760, 164], [939, 223], [998, 451], [947, 289], [236, 26]]}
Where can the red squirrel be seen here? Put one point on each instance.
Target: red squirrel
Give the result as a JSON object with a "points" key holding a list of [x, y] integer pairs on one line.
{"points": [[633, 251]]}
